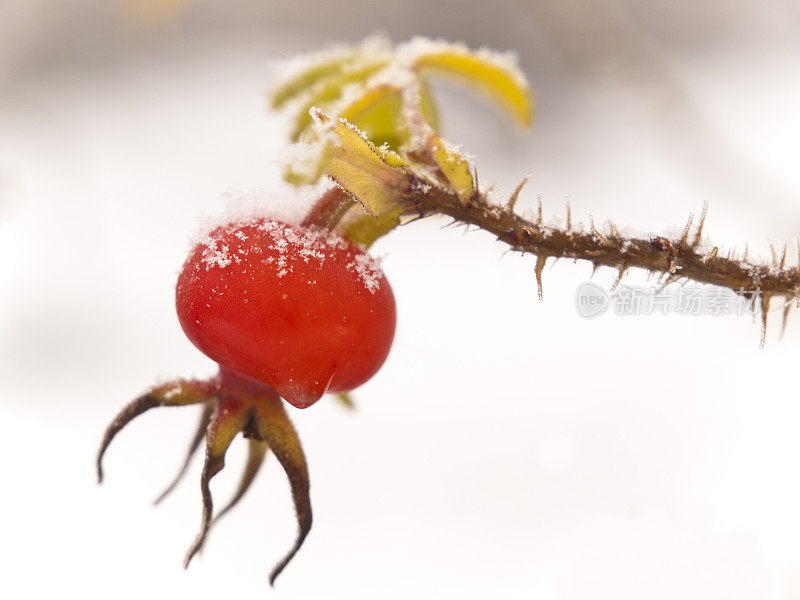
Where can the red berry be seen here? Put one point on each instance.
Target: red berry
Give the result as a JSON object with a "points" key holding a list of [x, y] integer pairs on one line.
{"points": [[302, 310]]}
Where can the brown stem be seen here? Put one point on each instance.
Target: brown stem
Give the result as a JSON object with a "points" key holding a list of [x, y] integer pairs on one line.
{"points": [[327, 211], [677, 259]]}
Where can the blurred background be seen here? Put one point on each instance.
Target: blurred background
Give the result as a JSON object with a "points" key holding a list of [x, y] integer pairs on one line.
{"points": [[508, 448]]}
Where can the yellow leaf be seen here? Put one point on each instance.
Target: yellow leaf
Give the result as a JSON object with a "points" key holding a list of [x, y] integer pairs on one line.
{"points": [[330, 89], [378, 113], [454, 166], [371, 175], [486, 71], [326, 65], [365, 229], [428, 105], [306, 78]]}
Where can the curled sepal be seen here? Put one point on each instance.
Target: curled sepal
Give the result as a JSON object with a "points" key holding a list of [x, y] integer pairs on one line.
{"points": [[455, 167], [494, 74], [180, 392], [373, 176], [277, 431], [256, 451], [200, 432], [231, 415]]}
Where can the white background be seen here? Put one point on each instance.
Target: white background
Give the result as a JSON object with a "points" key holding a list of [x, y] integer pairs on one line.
{"points": [[508, 448]]}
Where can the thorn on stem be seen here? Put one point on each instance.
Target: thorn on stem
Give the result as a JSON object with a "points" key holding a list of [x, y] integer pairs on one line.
{"points": [[623, 267], [541, 259], [787, 308], [698, 235], [515, 194], [569, 216], [765, 301], [685, 234]]}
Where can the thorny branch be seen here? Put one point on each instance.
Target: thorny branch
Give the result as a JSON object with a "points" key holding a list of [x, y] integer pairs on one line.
{"points": [[674, 259]]}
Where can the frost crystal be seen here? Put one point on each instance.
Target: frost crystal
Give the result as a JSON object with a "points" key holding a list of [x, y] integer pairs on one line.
{"points": [[368, 270]]}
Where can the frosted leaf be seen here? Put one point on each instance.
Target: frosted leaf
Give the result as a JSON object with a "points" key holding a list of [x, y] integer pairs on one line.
{"points": [[411, 51]]}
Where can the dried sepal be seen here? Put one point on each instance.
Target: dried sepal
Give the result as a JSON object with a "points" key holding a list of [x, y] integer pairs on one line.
{"points": [[256, 451], [194, 445], [180, 392], [276, 429], [231, 415]]}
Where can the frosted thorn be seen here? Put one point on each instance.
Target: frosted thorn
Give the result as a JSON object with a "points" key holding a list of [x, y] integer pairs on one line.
{"points": [[787, 308], [783, 255], [774, 254], [698, 235], [764, 302], [569, 216], [475, 172], [515, 194], [596, 231], [622, 270], [671, 278], [685, 234], [539, 218], [746, 250], [541, 259]]}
